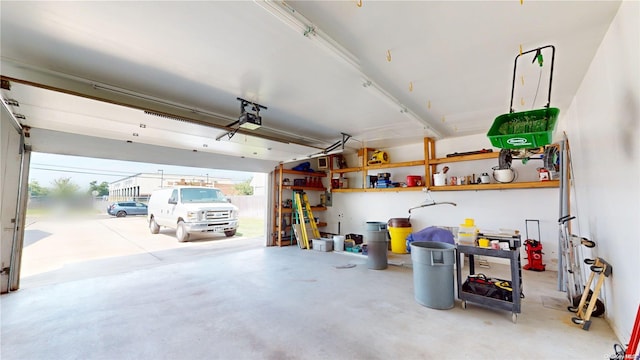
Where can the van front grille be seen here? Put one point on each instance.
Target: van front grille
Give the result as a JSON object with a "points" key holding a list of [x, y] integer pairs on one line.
{"points": [[218, 214]]}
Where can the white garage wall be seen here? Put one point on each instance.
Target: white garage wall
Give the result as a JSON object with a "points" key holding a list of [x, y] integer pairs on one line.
{"points": [[491, 209], [603, 126]]}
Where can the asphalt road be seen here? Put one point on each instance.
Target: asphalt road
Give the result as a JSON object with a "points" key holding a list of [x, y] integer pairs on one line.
{"points": [[63, 248]]}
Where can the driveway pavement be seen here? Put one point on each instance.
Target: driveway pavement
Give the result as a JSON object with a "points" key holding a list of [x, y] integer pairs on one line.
{"points": [[61, 249]]}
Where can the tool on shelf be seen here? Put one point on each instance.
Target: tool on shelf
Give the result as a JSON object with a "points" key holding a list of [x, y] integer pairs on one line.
{"points": [[585, 308], [483, 151], [378, 157]]}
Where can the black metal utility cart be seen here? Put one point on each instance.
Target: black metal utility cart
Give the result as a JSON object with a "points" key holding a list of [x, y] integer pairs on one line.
{"points": [[513, 254]]}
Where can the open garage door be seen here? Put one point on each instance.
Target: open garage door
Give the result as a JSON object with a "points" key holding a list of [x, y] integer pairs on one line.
{"points": [[62, 121], [70, 229], [14, 172]]}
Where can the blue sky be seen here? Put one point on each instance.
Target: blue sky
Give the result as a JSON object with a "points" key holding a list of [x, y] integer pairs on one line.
{"points": [[82, 170]]}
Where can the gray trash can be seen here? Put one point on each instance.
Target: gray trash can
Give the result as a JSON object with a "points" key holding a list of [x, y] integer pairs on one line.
{"points": [[376, 245], [433, 273]]}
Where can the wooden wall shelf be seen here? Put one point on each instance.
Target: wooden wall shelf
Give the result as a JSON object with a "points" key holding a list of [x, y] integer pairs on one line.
{"points": [[313, 208], [281, 231], [395, 165], [429, 164], [347, 170], [304, 173], [490, 155], [514, 185], [310, 188], [396, 189]]}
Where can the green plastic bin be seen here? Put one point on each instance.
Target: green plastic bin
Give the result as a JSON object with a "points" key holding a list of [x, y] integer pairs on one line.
{"points": [[524, 130]]}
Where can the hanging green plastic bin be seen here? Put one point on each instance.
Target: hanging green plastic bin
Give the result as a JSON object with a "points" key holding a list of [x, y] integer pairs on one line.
{"points": [[526, 129]]}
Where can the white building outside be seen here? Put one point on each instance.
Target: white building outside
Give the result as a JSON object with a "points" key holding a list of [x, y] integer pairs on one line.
{"points": [[140, 186]]}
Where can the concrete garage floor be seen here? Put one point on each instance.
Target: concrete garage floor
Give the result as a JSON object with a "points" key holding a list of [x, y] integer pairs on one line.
{"points": [[240, 300]]}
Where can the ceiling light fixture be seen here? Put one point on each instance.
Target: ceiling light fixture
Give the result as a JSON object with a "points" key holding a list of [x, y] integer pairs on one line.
{"points": [[304, 26]]}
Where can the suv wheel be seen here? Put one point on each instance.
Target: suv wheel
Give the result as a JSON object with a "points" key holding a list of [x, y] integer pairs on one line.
{"points": [[230, 233], [121, 213], [153, 226], [181, 232]]}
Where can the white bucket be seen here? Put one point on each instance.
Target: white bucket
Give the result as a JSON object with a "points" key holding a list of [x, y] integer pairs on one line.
{"points": [[504, 175], [338, 243], [439, 179]]}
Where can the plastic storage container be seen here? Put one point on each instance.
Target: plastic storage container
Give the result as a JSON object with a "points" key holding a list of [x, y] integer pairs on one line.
{"points": [[433, 273], [376, 245], [467, 233], [399, 229], [322, 244], [414, 180]]}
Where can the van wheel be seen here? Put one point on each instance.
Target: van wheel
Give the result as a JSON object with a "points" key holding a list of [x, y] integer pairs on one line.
{"points": [[230, 233], [181, 232], [121, 214], [153, 226]]}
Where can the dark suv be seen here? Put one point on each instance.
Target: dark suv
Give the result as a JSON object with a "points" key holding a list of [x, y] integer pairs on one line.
{"points": [[124, 208]]}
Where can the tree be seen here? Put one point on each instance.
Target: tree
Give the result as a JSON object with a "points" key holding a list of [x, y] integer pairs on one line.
{"points": [[36, 190], [244, 188], [64, 188], [102, 189]]}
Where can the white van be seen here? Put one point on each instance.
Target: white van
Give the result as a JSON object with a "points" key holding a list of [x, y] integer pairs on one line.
{"points": [[192, 209]]}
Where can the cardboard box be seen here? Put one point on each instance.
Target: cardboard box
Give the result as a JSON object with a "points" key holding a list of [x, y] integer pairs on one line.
{"points": [[322, 244]]}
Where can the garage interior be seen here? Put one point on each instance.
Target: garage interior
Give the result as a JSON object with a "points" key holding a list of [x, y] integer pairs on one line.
{"points": [[161, 82]]}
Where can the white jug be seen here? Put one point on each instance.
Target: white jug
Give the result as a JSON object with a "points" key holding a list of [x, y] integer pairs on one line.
{"points": [[439, 179]]}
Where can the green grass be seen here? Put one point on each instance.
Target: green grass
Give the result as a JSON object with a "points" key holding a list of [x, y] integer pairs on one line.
{"points": [[251, 227]]}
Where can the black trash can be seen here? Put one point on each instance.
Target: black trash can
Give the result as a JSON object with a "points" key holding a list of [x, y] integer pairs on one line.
{"points": [[376, 245], [433, 273]]}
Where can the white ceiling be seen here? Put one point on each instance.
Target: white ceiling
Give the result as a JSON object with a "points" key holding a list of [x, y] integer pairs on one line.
{"points": [[458, 56]]}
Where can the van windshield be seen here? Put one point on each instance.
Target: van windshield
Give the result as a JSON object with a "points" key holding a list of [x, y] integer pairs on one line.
{"points": [[202, 195]]}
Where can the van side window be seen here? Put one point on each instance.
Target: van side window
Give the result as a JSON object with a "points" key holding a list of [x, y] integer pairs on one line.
{"points": [[174, 196]]}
